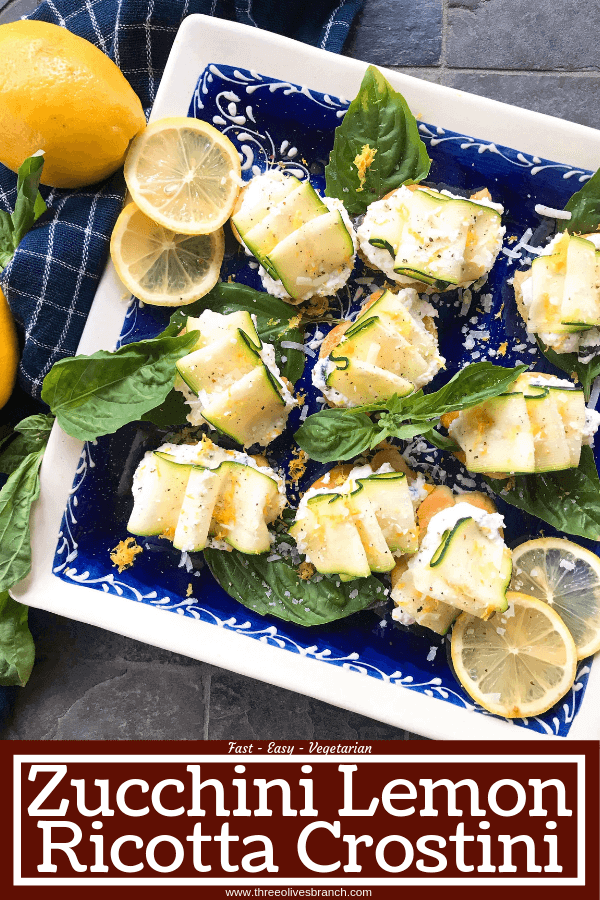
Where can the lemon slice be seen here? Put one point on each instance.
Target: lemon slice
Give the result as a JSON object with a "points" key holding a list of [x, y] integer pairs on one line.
{"points": [[161, 267], [568, 578], [520, 662], [184, 174]]}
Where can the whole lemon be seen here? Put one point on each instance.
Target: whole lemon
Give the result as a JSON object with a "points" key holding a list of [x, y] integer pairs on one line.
{"points": [[9, 351], [60, 94]]}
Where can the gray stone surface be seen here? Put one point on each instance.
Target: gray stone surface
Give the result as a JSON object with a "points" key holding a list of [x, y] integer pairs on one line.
{"points": [[398, 33], [522, 34], [573, 97]]}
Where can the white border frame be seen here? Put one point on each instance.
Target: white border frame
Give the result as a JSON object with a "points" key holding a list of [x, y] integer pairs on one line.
{"points": [[577, 759], [202, 40]]}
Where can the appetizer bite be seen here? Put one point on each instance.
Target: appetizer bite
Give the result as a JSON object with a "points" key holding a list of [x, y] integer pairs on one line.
{"points": [[304, 243], [231, 381], [391, 348], [559, 296], [462, 562], [540, 425], [418, 234], [354, 521], [200, 495]]}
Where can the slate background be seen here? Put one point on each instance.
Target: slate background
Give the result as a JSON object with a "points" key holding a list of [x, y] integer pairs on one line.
{"points": [[91, 684]]}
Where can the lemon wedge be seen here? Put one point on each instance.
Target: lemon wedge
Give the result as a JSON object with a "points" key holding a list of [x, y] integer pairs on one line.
{"points": [[161, 267], [184, 174], [520, 662], [567, 577]]}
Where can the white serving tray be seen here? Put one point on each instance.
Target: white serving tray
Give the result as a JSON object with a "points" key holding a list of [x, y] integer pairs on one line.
{"points": [[202, 40]]}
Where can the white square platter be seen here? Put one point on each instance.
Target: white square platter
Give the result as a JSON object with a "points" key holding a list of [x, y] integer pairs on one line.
{"points": [[202, 40]]}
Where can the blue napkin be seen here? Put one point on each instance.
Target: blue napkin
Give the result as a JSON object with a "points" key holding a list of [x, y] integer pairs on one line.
{"points": [[51, 281]]}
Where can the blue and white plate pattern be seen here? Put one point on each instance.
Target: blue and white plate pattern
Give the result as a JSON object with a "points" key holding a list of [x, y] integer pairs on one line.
{"points": [[275, 123]]}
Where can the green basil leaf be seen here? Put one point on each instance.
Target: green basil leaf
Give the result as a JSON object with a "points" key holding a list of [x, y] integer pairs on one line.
{"points": [[380, 118], [16, 499], [404, 432], [273, 318], [584, 207], [568, 500], [98, 394], [17, 650], [275, 589], [29, 204], [472, 385], [570, 363], [336, 434], [441, 441], [30, 435], [171, 412]]}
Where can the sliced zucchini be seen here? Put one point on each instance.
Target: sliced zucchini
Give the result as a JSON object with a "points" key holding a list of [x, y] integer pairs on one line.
{"points": [[374, 543], [549, 439], [468, 570], [275, 190], [297, 208], [483, 234], [219, 363], [427, 612], [496, 435], [570, 404], [435, 258], [389, 495], [158, 490], [548, 285], [196, 515], [250, 410], [329, 537], [215, 326], [239, 514], [312, 252], [370, 340], [581, 297], [362, 382]]}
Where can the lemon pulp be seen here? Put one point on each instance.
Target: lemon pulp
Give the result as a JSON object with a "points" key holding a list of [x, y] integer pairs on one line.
{"points": [[184, 174], [520, 662], [161, 267], [567, 577]]}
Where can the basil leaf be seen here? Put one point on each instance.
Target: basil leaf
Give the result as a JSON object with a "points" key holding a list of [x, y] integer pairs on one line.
{"points": [[570, 363], [472, 385], [16, 499], [379, 118], [29, 205], [17, 650], [276, 589], [273, 318], [584, 207], [568, 500], [30, 435], [336, 434], [171, 412], [98, 394]]}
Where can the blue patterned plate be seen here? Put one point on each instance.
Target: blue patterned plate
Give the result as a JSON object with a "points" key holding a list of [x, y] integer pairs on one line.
{"points": [[275, 123]]}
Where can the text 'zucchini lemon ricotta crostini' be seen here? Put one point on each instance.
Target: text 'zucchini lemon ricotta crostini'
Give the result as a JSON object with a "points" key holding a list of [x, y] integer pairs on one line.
{"points": [[231, 380], [559, 296], [305, 243], [200, 495], [462, 563], [390, 348], [435, 238]]}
